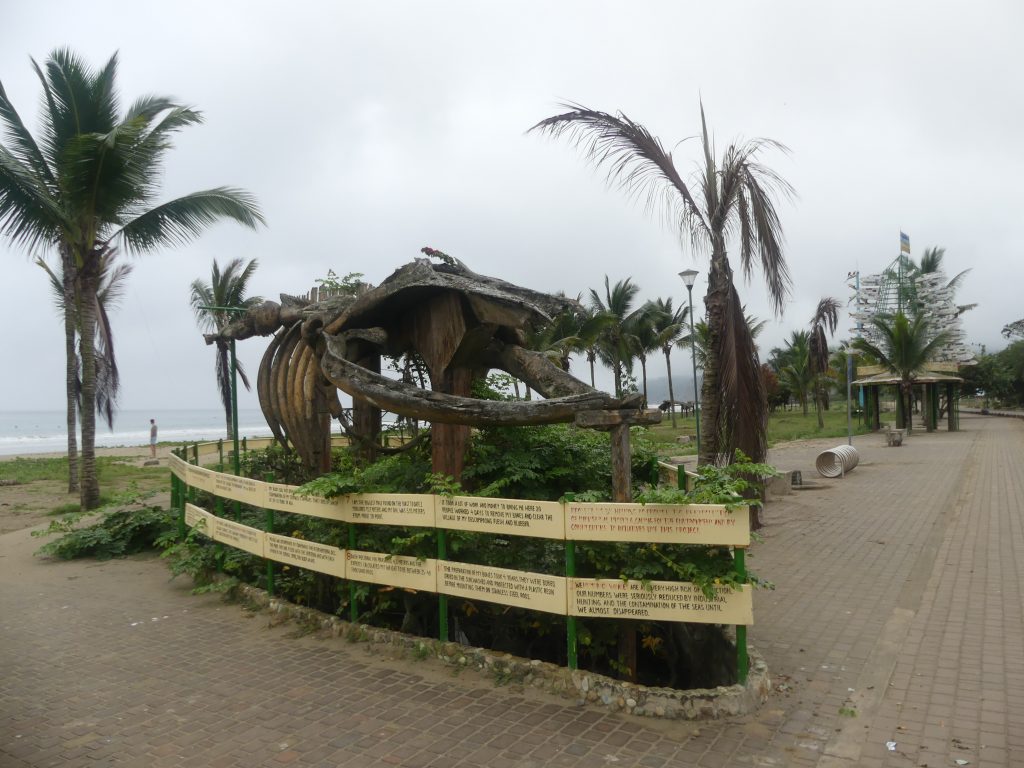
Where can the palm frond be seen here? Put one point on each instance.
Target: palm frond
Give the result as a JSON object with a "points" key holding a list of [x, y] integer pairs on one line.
{"points": [[744, 411], [636, 162], [25, 150], [29, 215], [179, 221]]}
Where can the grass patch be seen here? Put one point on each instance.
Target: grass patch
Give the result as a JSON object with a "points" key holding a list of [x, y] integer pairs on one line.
{"points": [[49, 476], [783, 426], [67, 509]]}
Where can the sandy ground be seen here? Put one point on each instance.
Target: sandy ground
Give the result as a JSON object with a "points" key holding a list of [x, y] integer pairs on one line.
{"points": [[30, 504]]}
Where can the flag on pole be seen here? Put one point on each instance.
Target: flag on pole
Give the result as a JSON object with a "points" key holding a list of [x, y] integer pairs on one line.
{"points": [[904, 243]]}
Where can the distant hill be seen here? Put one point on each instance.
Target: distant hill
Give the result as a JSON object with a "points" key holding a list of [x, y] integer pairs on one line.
{"points": [[657, 388]]}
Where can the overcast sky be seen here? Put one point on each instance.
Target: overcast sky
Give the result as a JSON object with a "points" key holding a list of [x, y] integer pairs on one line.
{"points": [[368, 130]]}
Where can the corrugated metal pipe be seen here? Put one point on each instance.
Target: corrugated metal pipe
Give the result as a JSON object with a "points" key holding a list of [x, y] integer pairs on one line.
{"points": [[837, 461]]}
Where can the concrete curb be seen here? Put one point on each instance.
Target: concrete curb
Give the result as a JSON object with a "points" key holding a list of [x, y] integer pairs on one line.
{"points": [[587, 688]]}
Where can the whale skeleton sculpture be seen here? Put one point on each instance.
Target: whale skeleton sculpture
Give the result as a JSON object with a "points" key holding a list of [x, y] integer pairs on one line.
{"points": [[460, 324]]}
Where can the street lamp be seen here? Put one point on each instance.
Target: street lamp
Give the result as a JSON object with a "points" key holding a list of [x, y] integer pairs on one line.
{"points": [[689, 278], [850, 354]]}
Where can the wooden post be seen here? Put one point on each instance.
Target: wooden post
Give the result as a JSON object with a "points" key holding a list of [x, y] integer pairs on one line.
{"points": [[622, 481], [929, 425], [366, 418], [448, 441]]}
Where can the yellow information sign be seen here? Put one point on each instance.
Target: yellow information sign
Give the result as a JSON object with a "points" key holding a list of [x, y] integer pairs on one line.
{"points": [[391, 570], [200, 519], [669, 523], [523, 589], [513, 517], [177, 466], [306, 554], [239, 536], [197, 477], [283, 498], [413, 509], [242, 489], [660, 601]]}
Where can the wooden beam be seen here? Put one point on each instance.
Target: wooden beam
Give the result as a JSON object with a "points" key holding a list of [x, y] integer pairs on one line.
{"points": [[391, 395]]}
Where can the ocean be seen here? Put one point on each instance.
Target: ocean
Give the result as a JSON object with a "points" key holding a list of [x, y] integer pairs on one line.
{"points": [[24, 432]]}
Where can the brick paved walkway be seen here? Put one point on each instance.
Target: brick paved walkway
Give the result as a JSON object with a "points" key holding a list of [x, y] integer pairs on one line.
{"points": [[898, 618]]}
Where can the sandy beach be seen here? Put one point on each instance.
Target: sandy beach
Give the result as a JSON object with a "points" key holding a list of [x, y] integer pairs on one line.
{"points": [[127, 451]]}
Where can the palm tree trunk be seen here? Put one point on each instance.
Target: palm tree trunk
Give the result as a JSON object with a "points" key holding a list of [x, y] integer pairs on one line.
{"points": [[90, 487], [671, 394], [617, 370], [224, 380], [590, 359], [643, 370], [819, 406], [71, 371], [716, 302]]}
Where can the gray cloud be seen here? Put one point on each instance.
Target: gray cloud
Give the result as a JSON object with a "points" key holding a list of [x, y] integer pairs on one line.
{"points": [[368, 131]]}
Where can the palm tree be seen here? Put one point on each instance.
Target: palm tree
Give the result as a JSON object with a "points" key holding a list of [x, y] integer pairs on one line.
{"points": [[226, 288], [613, 343], [1016, 328], [931, 262], [905, 348], [670, 329], [108, 381], [642, 339], [91, 184], [824, 321], [576, 329], [730, 197], [794, 367]]}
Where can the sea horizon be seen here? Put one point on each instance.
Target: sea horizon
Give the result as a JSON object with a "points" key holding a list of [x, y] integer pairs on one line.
{"points": [[45, 431]]}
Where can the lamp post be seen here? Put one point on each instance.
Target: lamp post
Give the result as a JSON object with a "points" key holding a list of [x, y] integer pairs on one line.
{"points": [[689, 277], [850, 354]]}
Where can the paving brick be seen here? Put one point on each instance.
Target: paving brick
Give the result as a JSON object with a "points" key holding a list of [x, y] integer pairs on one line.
{"points": [[930, 532]]}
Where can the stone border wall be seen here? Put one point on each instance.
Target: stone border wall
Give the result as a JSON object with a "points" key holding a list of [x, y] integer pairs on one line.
{"points": [[582, 686]]}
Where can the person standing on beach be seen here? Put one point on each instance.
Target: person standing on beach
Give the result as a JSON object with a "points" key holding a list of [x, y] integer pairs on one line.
{"points": [[152, 438]]}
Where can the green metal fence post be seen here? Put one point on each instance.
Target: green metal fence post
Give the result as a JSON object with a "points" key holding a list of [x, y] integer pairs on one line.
{"points": [[353, 609], [570, 621], [218, 548], [177, 507], [220, 453], [269, 527], [442, 599], [195, 454], [742, 662]]}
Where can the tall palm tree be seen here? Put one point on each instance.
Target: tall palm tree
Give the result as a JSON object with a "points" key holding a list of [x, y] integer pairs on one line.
{"points": [[226, 288], [576, 329], [642, 339], [614, 343], [906, 345], [823, 325], [669, 328], [730, 197], [89, 185], [112, 282], [794, 367]]}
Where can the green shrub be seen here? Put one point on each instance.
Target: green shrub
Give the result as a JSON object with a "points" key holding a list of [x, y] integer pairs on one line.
{"points": [[119, 533]]}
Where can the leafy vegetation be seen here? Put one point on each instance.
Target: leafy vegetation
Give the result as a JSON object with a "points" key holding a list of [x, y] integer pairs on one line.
{"points": [[124, 532]]}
